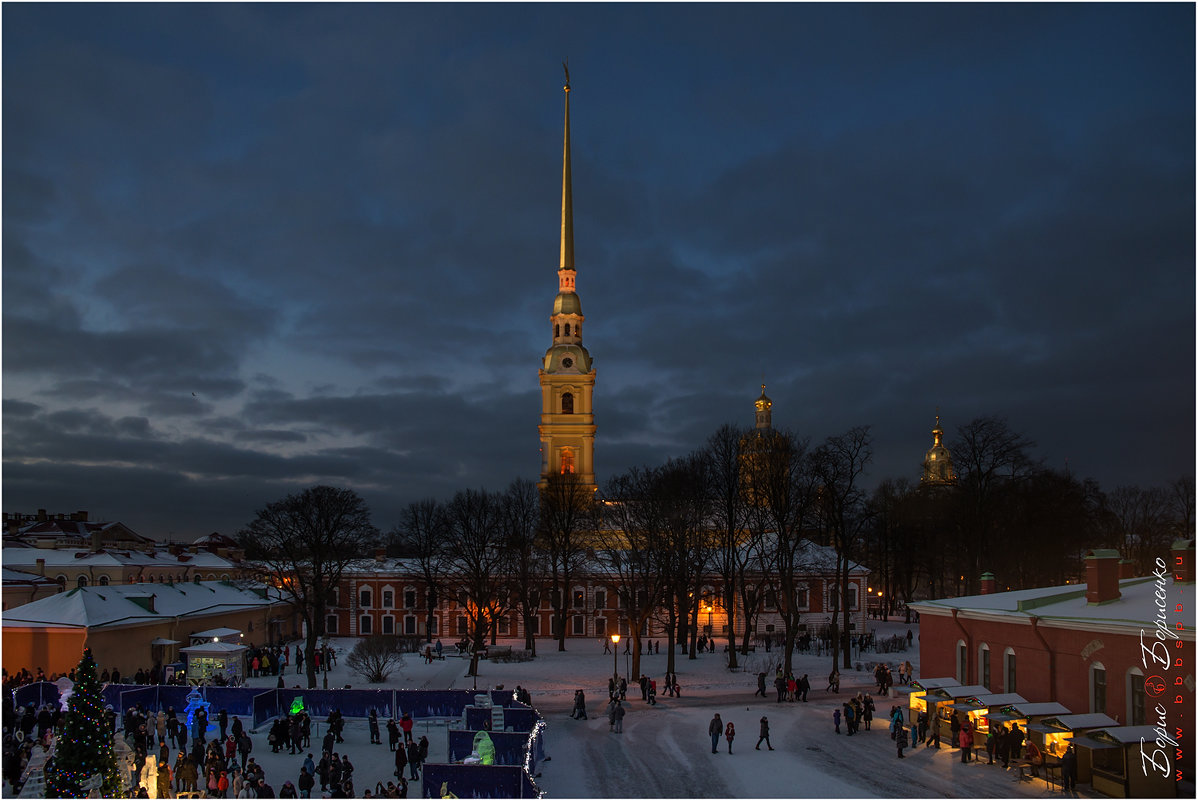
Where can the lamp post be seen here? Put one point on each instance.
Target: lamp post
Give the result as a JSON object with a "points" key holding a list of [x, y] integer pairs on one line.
{"points": [[615, 658]]}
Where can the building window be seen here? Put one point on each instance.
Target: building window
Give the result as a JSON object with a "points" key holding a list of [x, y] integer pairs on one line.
{"points": [[579, 625], [103, 581], [1009, 683], [600, 599], [853, 592], [567, 329], [600, 627], [984, 665], [771, 599], [330, 624], [81, 581], [801, 597], [388, 624], [567, 403], [409, 624], [364, 599], [388, 599], [1097, 688], [409, 599], [962, 662], [433, 627], [364, 626], [579, 599], [504, 626], [463, 626], [567, 461], [62, 581], [1135, 697], [534, 625]]}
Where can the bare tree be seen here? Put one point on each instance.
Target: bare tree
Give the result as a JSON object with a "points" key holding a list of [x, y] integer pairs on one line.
{"points": [[726, 487], [989, 457], [421, 537], [477, 563], [1138, 523], [520, 515], [302, 545], [839, 465], [375, 658], [567, 519], [630, 546]]}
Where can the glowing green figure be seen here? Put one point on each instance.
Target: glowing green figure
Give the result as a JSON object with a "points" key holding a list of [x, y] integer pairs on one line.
{"points": [[484, 748], [297, 705]]}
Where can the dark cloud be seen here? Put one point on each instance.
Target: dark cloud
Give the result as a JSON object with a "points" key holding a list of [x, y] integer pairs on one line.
{"points": [[251, 248]]}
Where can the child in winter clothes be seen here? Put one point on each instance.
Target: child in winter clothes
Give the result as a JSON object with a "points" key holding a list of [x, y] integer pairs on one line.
{"points": [[729, 735], [836, 719]]}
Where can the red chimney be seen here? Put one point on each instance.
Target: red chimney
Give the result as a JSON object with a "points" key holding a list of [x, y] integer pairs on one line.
{"points": [[380, 554], [1183, 561], [1127, 569], [989, 584], [1102, 576]]}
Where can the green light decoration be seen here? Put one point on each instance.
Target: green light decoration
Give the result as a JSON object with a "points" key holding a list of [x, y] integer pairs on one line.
{"points": [[484, 748], [297, 706], [84, 748]]}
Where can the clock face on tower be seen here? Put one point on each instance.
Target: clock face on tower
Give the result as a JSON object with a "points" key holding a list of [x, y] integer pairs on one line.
{"points": [[567, 362]]}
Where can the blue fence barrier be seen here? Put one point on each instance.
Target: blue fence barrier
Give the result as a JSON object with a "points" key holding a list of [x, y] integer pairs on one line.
{"points": [[133, 695], [510, 746], [36, 694], [477, 781], [266, 706]]}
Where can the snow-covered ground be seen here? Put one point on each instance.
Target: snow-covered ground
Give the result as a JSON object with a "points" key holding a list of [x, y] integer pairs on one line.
{"points": [[664, 750]]}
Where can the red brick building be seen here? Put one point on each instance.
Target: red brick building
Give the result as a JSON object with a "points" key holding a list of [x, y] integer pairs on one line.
{"points": [[384, 596], [1117, 644]]}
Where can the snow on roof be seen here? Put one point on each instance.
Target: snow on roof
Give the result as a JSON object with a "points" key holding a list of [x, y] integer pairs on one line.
{"points": [[213, 648], [1062, 606], [1125, 734], [221, 632], [999, 699], [21, 577], [110, 557], [1042, 708], [99, 606], [1088, 720]]}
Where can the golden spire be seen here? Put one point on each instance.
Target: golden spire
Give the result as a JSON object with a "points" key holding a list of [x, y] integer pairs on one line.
{"points": [[567, 261]]}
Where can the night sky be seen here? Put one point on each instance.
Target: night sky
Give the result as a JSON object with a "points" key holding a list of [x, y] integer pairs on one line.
{"points": [[248, 249]]}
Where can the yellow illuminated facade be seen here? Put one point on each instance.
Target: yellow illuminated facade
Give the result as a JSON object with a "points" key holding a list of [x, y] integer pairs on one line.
{"points": [[567, 427]]}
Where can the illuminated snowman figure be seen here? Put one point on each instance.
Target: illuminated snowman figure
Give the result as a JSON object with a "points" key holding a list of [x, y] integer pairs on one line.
{"points": [[196, 702]]}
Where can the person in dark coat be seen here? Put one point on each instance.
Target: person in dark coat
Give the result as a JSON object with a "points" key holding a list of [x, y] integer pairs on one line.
{"points": [[373, 723], [901, 740], [414, 761], [1069, 768], [401, 760], [715, 729], [392, 734], [760, 685], [222, 720], [954, 727], [764, 733]]}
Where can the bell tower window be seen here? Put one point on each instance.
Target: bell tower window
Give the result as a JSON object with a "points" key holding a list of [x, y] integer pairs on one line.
{"points": [[567, 461], [567, 329], [557, 330], [567, 403]]}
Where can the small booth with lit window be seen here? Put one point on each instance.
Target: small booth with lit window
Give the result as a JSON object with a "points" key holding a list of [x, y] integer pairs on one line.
{"points": [[916, 691], [1116, 765], [978, 708], [221, 663], [941, 701], [1053, 734]]}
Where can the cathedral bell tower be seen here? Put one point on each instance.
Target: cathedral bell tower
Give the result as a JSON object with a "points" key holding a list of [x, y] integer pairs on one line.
{"points": [[938, 468], [567, 377]]}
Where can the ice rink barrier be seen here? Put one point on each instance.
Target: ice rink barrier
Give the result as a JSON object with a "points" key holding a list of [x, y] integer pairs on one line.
{"points": [[477, 781], [36, 694]]}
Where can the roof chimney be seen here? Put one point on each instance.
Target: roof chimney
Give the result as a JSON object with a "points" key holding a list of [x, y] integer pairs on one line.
{"points": [[380, 554], [80, 516], [41, 567], [1183, 561], [989, 583], [41, 515], [1127, 569], [95, 545], [1102, 576]]}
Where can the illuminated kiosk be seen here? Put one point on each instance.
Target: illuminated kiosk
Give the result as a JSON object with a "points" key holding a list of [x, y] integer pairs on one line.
{"points": [[940, 701], [1116, 764], [1052, 735], [917, 689], [203, 662], [1026, 713], [978, 708]]}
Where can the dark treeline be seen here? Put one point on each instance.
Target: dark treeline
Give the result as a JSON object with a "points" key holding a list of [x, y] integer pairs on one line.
{"points": [[745, 508]]}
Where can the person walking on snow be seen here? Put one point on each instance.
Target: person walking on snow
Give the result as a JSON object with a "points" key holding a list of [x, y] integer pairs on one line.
{"points": [[966, 741], [765, 733], [715, 728], [619, 717], [901, 740], [730, 735], [836, 719]]}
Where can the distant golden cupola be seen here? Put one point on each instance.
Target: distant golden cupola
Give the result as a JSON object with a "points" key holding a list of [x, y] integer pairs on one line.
{"points": [[764, 405], [938, 468]]}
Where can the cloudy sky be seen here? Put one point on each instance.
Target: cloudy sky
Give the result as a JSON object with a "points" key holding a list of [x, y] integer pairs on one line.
{"points": [[248, 249]]}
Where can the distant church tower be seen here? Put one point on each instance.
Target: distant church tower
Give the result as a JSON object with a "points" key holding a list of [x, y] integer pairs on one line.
{"points": [[938, 462], [567, 378]]}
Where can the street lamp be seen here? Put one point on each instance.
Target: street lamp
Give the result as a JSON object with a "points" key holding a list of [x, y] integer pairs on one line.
{"points": [[615, 658]]}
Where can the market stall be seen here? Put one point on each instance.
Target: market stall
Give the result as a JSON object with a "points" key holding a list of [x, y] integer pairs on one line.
{"points": [[916, 690], [978, 708], [204, 663], [940, 701], [1115, 760]]}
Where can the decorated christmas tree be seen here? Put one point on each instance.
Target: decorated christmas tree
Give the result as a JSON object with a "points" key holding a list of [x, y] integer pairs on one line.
{"points": [[84, 748]]}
